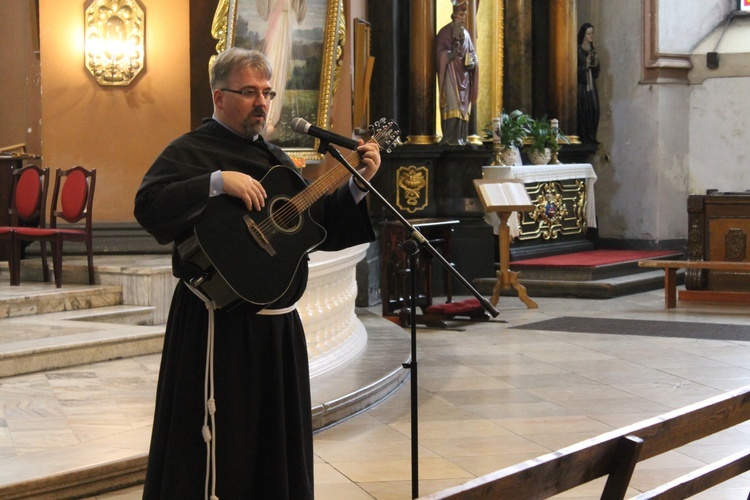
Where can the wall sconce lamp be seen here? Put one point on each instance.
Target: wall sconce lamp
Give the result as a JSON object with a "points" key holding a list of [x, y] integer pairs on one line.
{"points": [[114, 40]]}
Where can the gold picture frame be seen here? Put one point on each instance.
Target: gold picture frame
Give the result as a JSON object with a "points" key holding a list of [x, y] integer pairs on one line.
{"points": [[317, 31], [490, 47]]}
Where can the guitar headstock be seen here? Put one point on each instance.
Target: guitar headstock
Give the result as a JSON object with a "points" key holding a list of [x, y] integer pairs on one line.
{"points": [[386, 133]]}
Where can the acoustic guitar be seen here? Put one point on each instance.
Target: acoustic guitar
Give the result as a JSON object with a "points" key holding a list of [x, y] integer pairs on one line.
{"points": [[252, 256]]}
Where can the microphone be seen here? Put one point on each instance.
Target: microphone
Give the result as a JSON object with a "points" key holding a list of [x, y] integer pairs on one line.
{"points": [[302, 126]]}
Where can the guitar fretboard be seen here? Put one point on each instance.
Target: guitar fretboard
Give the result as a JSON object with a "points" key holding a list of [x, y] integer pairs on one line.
{"points": [[304, 199], [383, 137]]}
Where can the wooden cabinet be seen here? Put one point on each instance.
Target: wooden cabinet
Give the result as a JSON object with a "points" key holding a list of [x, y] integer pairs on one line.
{"points": [[719, 225]]}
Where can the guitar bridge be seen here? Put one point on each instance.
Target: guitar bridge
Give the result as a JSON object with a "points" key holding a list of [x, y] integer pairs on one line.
{"points": [[258, 235]]}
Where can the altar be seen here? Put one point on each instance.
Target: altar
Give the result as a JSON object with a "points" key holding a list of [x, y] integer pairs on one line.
{"points": [[564, 201]]}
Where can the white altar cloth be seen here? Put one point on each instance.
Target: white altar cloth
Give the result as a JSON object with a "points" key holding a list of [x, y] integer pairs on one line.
{"points": [[542, 173]]}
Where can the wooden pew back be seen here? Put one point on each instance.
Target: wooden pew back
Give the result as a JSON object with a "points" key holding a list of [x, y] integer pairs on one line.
{"points": [[616, 453]]}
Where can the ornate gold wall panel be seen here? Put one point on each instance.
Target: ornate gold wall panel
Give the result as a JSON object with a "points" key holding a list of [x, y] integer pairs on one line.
{"points": [[560, 210], [412, 191]]}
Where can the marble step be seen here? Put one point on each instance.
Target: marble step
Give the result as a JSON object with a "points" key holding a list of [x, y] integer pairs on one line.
{"points": [[75, 269], [39, 343], [117, 460], [45, 327], [80, 471], [144, 280], [590, 289], [120, 314], [42, 298], [577, 273]]}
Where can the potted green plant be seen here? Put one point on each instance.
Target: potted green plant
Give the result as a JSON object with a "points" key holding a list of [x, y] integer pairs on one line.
{"points": [[543, 140], [514, 126], [539, 141]]}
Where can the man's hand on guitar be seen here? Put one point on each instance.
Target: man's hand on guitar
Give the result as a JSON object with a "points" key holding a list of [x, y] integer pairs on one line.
{"points": [[244, 187], [369, 154]]}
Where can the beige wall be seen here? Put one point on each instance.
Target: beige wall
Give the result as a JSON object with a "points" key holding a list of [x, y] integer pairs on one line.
{"points": [[19, 81], [118, 131], [661, 142]]}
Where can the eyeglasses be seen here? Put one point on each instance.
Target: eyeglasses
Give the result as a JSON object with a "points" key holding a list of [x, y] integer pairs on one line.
{"points": [[253, 94]]}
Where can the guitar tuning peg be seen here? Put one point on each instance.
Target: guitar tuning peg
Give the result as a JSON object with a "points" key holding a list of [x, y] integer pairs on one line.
{"points": [[395, 142]]}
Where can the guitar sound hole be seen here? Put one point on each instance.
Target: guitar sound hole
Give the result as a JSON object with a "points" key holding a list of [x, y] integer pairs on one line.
{"points": [[284, 214]]}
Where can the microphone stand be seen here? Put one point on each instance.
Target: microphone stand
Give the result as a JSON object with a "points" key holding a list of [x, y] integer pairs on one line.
{"points": [[412, 247]]}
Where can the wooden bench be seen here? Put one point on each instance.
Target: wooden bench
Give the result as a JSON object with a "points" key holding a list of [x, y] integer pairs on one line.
{"points": [[671, 267], [616, 453]]}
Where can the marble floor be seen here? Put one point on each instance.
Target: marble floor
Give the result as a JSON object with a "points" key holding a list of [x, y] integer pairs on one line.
{"points": [[489, 396]]}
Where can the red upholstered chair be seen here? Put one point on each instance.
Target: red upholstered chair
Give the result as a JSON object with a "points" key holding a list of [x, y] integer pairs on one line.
{"points": [[28, 203], [72, 200]]}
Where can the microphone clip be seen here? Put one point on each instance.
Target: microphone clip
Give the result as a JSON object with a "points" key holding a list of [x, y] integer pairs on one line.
{"points": [[323, 146]]}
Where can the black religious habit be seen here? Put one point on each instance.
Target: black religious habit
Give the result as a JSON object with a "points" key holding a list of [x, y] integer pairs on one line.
{"points": [[263, 430]]}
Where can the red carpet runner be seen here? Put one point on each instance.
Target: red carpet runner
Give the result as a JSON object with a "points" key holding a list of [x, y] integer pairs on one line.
{"points": [[593, 258]]}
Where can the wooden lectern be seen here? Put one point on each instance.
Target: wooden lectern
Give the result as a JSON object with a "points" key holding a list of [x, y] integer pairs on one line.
{"points": [[505, 197]]}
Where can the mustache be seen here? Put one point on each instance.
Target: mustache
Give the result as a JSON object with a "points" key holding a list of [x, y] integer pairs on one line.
{"points": [[250, 126]]}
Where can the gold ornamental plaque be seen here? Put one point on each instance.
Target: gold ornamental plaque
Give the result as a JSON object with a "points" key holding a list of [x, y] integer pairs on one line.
{"points": [[411, 188]]}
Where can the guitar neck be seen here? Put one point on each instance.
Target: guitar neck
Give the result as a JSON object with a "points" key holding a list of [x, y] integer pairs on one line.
{"points": [[305, 198]]}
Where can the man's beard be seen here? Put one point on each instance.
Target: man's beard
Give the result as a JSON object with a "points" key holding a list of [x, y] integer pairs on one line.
{"points": [[252, 128], [458, 30]]}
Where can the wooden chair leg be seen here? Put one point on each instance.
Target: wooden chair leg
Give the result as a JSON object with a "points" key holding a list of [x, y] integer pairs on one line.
{"points": [[45, 269], [14, 264], [57, 261], [89, 251]]}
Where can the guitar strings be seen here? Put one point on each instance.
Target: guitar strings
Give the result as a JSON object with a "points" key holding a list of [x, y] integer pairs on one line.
{"points": [[292, 209], [327, 181]]}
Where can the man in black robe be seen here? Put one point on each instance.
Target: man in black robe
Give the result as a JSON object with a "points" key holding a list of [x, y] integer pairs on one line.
{"points": [[258, 443]]}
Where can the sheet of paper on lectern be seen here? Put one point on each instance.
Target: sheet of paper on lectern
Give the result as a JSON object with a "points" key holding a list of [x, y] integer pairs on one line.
{"points": [[504, 194]]}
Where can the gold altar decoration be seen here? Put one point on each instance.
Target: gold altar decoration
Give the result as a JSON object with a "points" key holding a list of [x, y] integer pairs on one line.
{"points": [[363, 63], [220, 29], [114, 40], [412, 188], [490, 45], [560, 210]]}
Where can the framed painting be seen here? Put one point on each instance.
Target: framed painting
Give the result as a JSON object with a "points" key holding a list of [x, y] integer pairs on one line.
{"points": [[304, 41]]}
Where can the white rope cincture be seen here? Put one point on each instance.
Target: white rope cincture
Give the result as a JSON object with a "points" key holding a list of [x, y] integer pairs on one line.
{"points": [[208, 430], [210, 407], [209, 413], [277, 312]]}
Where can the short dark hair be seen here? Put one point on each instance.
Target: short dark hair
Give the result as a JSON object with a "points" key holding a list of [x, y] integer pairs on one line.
{"points": [[237, 58]]}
